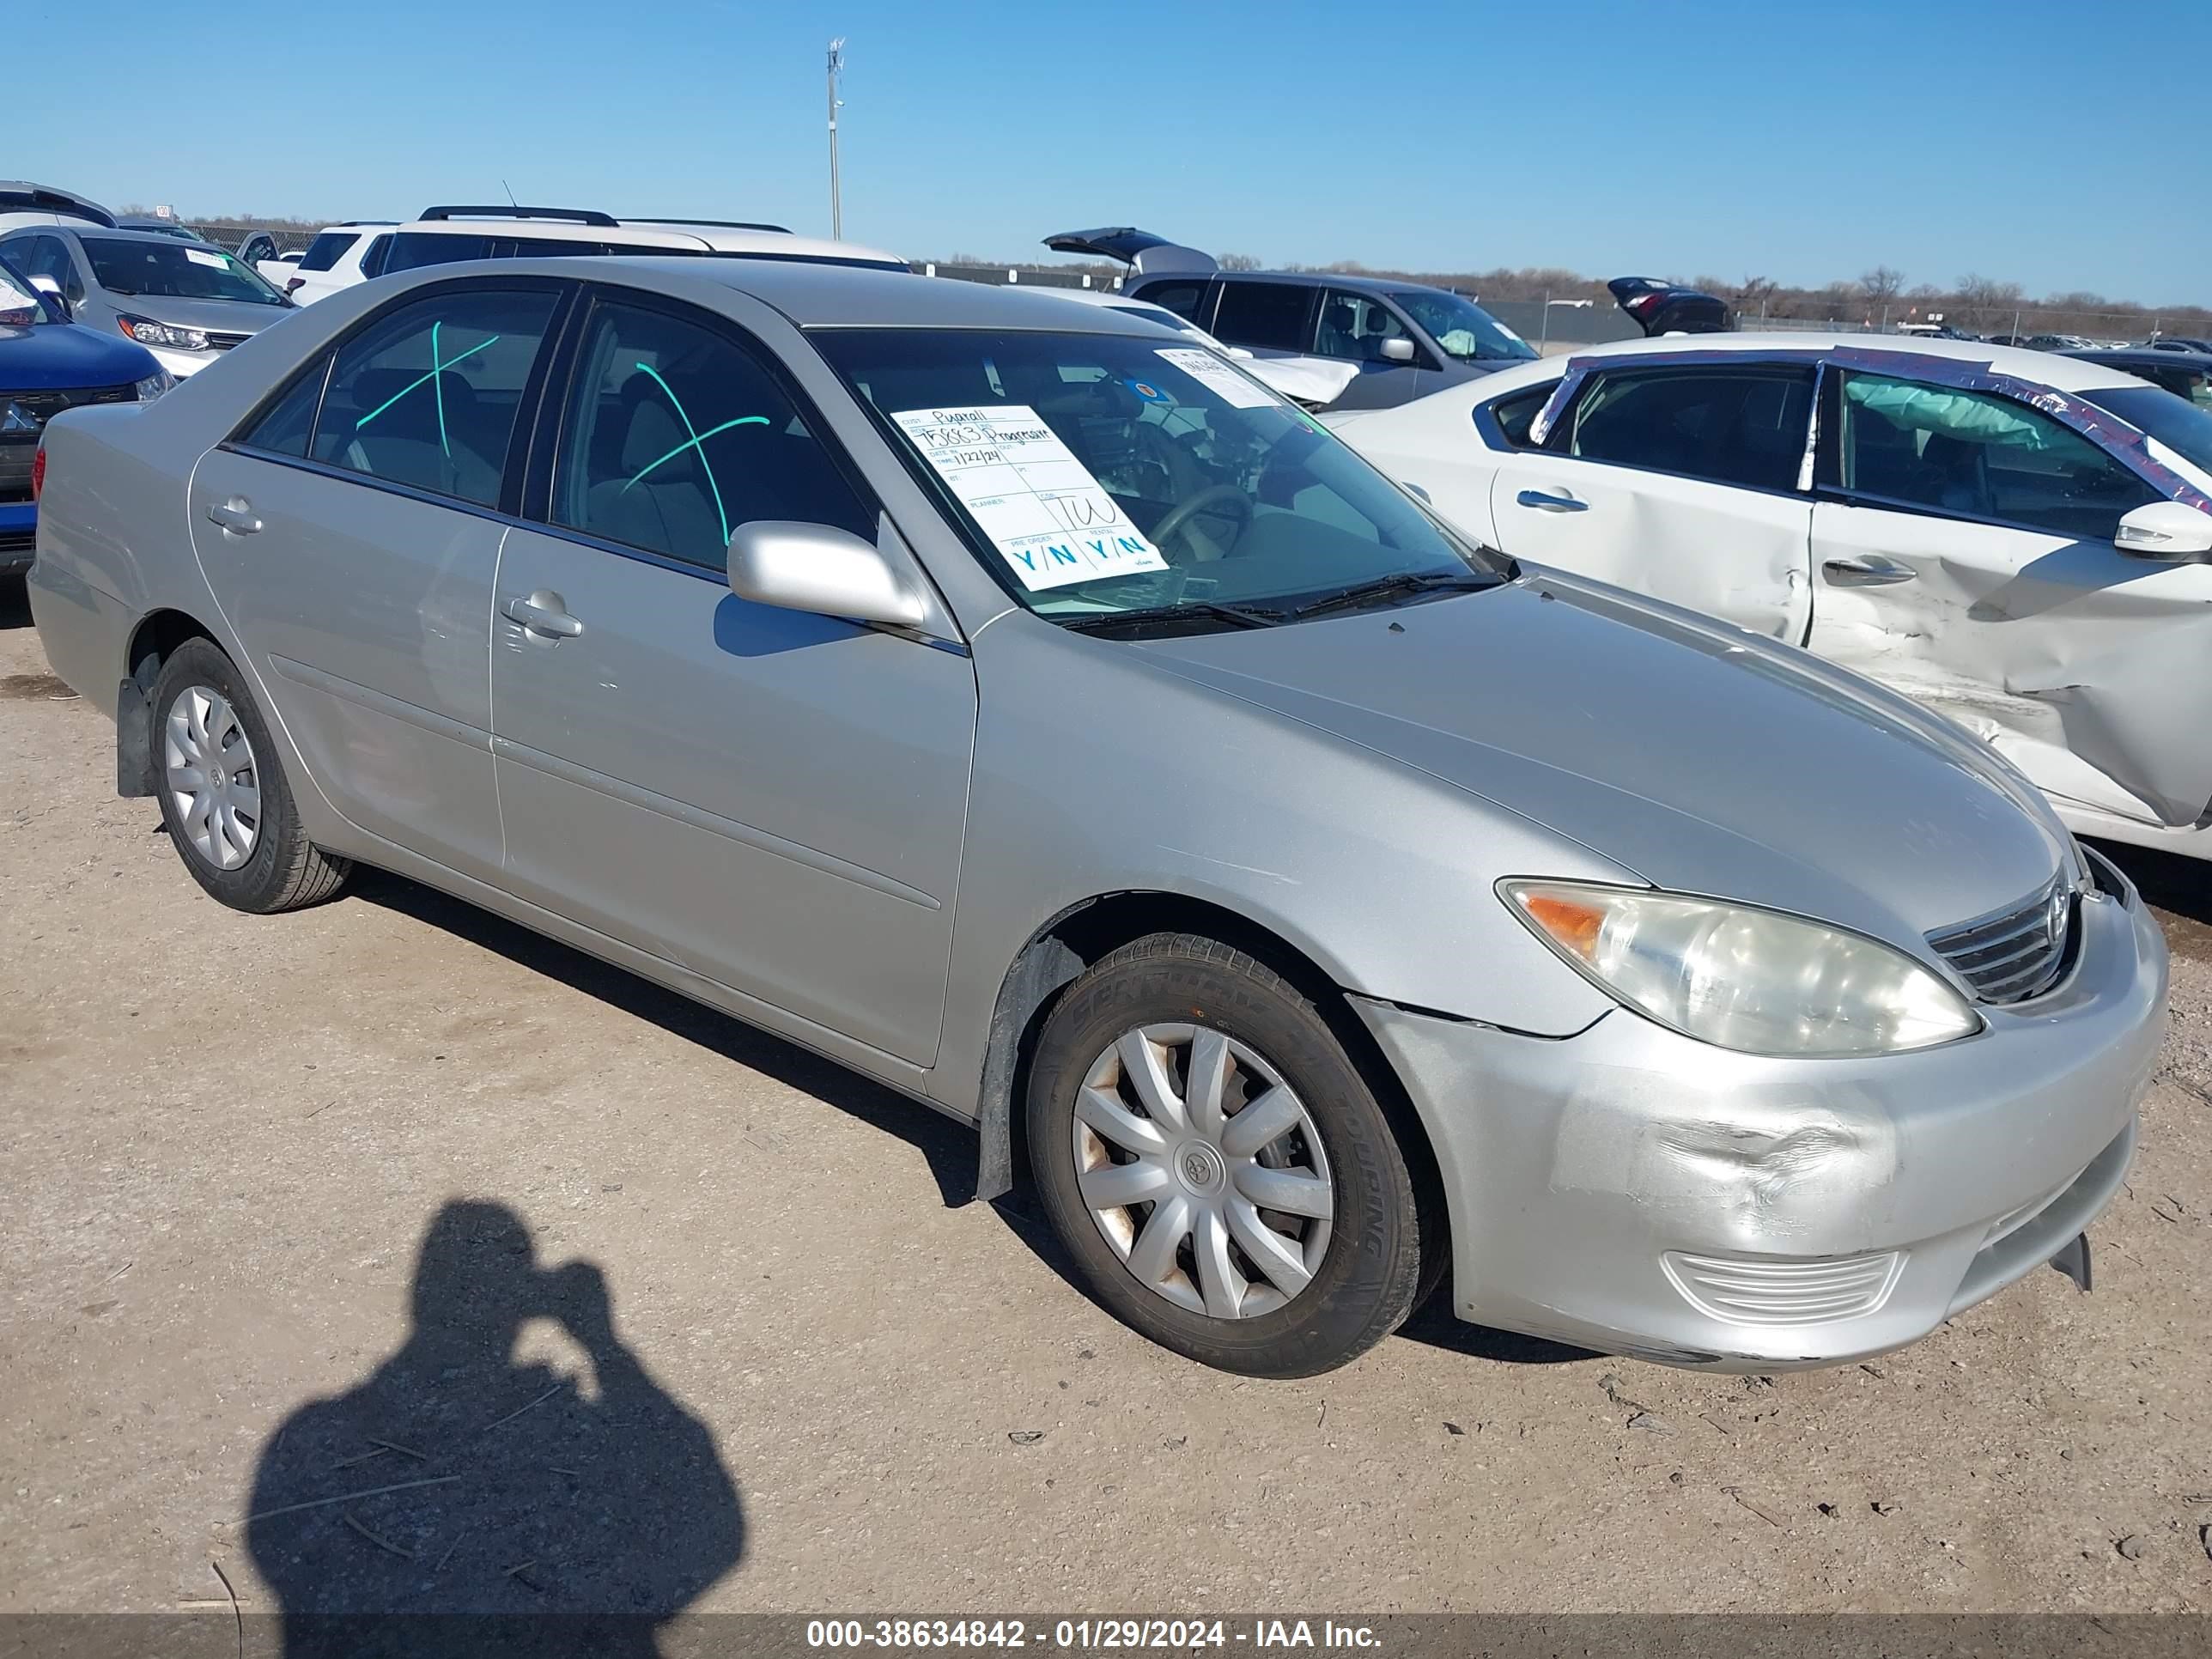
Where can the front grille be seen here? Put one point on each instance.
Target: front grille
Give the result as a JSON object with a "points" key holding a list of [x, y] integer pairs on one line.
{"points": [[224, 342], [13, 541], [2018, 952], [1780, 1290]]}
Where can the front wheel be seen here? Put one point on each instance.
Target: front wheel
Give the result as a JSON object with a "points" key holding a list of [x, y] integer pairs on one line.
{"points": [[1225, 1180]]}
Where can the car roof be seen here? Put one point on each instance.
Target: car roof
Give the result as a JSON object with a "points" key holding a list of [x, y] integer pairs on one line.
{"points": [[22, 196], [2053, 369], [1359, 284], [818, 295], [126, 234], [2129, 357], [721, 238]]}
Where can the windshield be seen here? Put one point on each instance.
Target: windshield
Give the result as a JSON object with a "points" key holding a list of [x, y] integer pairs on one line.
{"points": [[20, 304], [174, 270], [2182, 425], [1464, 328], [1107, 473]]}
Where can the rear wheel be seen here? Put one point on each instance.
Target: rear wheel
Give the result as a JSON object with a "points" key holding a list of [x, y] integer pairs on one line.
{"points": [[1210, 1155], [225, 801]]}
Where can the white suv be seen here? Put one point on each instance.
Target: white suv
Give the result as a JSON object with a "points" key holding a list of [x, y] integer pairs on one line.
{"points": [[339, 256], [444, 234]]}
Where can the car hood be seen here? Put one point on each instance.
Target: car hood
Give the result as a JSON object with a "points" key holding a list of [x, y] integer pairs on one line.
{"points": [[62, 356], [224, 316], [1703, 759]]}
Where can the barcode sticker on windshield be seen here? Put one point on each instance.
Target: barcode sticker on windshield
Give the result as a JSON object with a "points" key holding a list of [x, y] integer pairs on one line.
{"points": [[1218, 378], [198, 257], [1052, 522]]}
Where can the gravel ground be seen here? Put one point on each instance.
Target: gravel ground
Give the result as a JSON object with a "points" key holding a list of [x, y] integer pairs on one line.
{"points": [[632, 1300]]}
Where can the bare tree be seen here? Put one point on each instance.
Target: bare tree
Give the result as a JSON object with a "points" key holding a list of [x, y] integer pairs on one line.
{"points": [[1238, 262], [1752, 289], [1987, 301], [1882, 284]]}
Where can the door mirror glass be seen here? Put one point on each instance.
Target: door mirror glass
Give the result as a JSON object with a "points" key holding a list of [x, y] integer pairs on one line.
{"points": [[2165, 530], [1397, 350], [820, 569], [52, 290]]}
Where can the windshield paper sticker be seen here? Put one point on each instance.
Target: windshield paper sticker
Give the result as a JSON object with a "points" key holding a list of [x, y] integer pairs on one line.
{"points": [[200, 258], [1050, 519], [1227, 383]]}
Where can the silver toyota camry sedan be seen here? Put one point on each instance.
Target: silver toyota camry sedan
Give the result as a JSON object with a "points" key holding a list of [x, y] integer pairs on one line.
{"points": [[1049, 721]]}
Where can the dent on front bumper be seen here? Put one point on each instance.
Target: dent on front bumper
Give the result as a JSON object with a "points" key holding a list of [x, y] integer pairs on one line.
{"points": [[1633, 1190]]}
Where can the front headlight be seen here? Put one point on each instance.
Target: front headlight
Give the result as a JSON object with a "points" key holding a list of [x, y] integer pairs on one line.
{"points": [[147, 332], [154, 385], [1738, 977]]}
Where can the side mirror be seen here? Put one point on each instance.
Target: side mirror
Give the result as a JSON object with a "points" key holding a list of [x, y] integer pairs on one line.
{"points": [[1397, 350], [815, 568], [52, 290], [2165, 530], [1240, 354]]}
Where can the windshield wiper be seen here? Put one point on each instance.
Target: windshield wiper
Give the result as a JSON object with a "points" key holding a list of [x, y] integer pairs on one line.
{"points": [[1384, 587], [1236, 615]]}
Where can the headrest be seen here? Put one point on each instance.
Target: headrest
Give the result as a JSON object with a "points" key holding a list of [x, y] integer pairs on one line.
{"points": [[653, 431]]}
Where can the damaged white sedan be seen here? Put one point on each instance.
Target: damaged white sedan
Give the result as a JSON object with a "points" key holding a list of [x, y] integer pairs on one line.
{"points": [[2016, 540]]}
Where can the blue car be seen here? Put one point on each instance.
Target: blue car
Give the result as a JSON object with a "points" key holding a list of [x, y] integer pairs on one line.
{"points": [[48, 364]]}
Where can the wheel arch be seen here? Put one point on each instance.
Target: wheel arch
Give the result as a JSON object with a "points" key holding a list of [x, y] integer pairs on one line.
{"points": [[1059, 950], [153, 641]]}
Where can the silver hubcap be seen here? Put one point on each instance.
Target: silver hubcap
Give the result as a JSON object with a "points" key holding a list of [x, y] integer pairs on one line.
{"points": [[1203, 1171], [214, 783]]}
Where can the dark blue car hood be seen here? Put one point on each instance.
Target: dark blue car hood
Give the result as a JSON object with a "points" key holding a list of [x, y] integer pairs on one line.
{"points": [[62, 356]]}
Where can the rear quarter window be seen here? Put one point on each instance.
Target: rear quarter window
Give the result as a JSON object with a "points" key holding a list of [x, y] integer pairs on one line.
{"points": [[324, 251], [1504, 422]]}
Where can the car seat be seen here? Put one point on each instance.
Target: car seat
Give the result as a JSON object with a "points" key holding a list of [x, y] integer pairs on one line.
{"points": [[670, 509]]}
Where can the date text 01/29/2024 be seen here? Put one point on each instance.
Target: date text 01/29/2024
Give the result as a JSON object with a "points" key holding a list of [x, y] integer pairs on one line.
{"points": [[1092, 1635]]}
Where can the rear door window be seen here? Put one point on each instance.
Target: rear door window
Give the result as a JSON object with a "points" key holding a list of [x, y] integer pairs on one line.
{"points": [[1745, 426], [409, 250], [1974, 455], [323, 252], [675, 434], [1268, 316], [427, 396]]}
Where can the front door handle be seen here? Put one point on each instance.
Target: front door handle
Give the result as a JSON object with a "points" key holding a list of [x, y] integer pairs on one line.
{"points": [[544, 613], [1868, 570], [1545, 501], [235, 515]]}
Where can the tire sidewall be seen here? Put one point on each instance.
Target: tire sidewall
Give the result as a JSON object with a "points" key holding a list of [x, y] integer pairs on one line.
{"points": [[255, 884], [1365, 1284]]}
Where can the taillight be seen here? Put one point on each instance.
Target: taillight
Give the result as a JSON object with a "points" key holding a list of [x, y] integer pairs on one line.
{"points": [[37, 472], [1643, 302]]}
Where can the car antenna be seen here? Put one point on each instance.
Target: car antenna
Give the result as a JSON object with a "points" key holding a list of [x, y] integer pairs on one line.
{"points": [[509, 189]]}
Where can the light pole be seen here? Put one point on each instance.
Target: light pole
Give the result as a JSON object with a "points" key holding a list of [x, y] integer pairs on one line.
{"points": [[1544, 332], [836, 68]]}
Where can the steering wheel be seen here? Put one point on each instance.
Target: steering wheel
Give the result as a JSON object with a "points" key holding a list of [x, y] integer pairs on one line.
{"points": [[1226, 500]]}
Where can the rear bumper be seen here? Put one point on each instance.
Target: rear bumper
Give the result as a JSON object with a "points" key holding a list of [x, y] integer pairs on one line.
{"points": [[84, 631], [1630, 1189]]}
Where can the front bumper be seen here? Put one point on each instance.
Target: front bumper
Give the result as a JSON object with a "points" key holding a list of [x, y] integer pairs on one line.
{"points": [[19, 523], [1633, 1190]]}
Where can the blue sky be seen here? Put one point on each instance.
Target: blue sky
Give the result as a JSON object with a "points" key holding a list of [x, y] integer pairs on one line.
{"points": [[2031, 140]]}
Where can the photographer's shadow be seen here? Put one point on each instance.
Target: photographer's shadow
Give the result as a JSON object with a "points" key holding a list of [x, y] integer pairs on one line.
{"points": [[466, 1489]]}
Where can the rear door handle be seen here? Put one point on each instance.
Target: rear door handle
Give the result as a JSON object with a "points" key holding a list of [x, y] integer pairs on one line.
{"points": [[1870, 570], [235, 515], [544, 613], [1547, 502]]}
